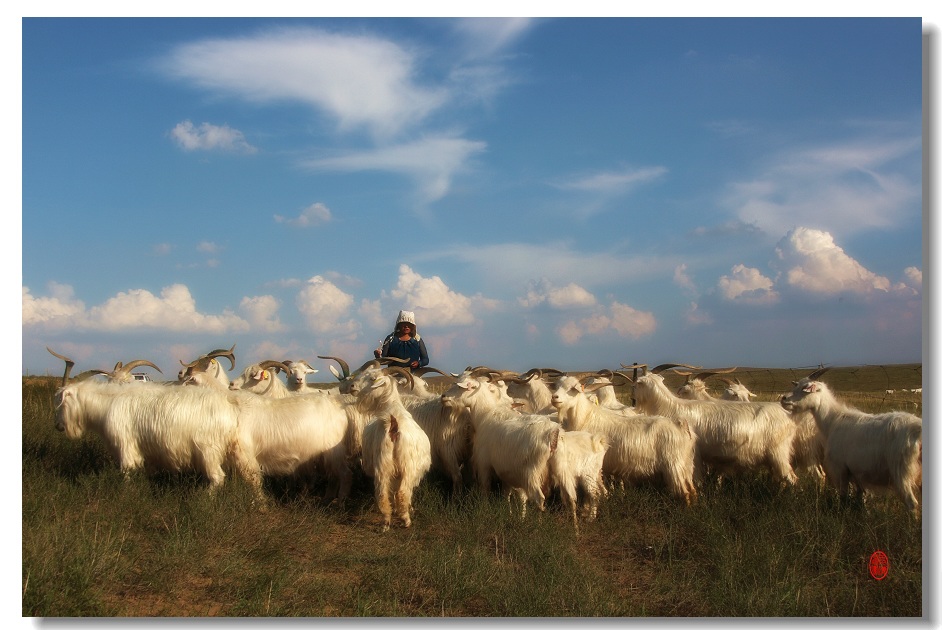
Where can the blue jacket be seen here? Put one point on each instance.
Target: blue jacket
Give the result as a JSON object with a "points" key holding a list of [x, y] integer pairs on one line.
{"points": [[413, 350]]}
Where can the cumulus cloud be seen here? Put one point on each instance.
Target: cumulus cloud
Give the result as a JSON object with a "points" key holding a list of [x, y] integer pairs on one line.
{"points": [[173, 310], [432, 162], [262, 312], [162, 249], [814, 263], [58, 309], [623, 320], [913, 277], [207, 247], [325, 308], [841, 188], [359, 81], [208, 137], [543, 292], [747, 286], [432, 300], [315, 214]]}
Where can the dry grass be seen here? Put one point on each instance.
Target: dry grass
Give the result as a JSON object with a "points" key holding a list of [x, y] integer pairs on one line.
{"points": [[95, 545]]}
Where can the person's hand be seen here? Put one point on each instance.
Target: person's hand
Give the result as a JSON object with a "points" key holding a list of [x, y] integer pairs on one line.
{"points": [[414, 364], [377, 353]]}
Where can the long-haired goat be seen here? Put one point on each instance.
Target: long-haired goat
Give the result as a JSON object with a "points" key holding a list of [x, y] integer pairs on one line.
{"points": [[641, 447], [150, 426], [880, 451], [513, 446], [396, 451], [731, 436]]}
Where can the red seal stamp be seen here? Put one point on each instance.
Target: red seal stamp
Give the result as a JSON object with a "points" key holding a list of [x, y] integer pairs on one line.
{"points": [[879, 565]]}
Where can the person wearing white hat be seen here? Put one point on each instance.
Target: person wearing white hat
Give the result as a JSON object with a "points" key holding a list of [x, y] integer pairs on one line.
{"points": [[404, 342]]}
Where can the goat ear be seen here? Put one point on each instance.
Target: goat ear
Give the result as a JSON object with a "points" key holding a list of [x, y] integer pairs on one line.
{"points": [[810, 388]]}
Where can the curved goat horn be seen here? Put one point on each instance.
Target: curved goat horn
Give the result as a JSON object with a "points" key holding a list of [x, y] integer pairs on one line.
{"points": [[817, 373], [138, 363], [69, 364], [89, 373], [388, 360], [623, 375], [278, 365], [223, 353], [344, 368], [398, 370], [425, 370], [667, 366]]}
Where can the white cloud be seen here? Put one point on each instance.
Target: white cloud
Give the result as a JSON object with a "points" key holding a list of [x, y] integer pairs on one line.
{"points": [[814, 263], [747, 286], [431, 300], [500, 266], [174, 310], [485, 36], [613, 182], [360, 81], [262, 312], [207, 247], [695, 317], [570, 296], [372, 312], [683, 279], [432, 162], [840, 188], [314, 214], [325, 308], [162, 249], [58, 310], [914, 277], [208, 137], [623, 320]]}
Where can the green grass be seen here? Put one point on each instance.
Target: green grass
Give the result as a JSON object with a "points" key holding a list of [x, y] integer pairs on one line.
{"points": [[98, 545]]}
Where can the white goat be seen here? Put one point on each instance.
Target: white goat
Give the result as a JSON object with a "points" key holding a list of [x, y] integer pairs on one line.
{"points": [[150, 425], [448, 433], [530, 389], [641, 447], [292, 435], [872, 451], [396, 451], [576, 469], [297, 376], [604, 391], [694, 386], [807, 445], [736, 391], [206, 370], [731, 436], [513, 446], [262, 378]]}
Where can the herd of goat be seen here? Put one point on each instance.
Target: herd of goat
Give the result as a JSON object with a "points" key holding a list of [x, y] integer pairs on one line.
{"points": [[533, 433]]}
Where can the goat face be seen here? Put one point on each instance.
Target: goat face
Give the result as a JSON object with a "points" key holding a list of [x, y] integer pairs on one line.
{"points": [[804, 396], [68, 414]]}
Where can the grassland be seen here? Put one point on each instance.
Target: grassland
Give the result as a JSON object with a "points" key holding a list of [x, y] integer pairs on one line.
{"points": [[97, 545]]}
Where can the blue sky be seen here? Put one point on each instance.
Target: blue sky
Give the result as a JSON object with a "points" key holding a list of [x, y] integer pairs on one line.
{"points": [[572, 193]]}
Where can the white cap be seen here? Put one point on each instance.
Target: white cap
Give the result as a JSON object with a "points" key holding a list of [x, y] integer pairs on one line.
{"points": [[406, 316]]}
